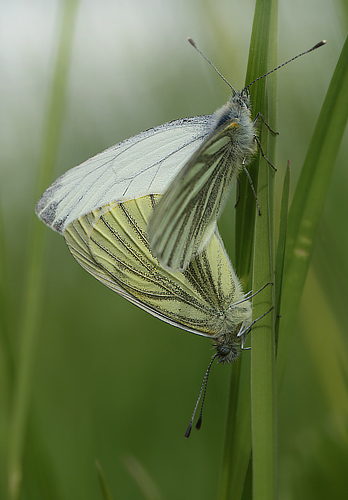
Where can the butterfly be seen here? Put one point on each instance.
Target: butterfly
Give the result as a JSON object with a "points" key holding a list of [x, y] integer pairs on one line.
{"points": [[110, 242], [191, 161], [186, 216]]}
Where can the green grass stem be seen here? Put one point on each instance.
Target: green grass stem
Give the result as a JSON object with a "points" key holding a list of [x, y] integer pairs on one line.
{"points": [[280, 256], [237, 450], [308, 201], [263, 376], [33, 291]]}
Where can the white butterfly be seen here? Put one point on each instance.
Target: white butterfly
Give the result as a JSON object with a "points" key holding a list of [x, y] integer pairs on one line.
{"points": [[200, 155], [197, 157], [110, 242], [185, 217]]}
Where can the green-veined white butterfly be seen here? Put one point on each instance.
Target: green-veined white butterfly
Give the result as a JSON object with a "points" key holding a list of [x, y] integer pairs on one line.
{"points": [[110, 242], [144, 164], [186, 216]]}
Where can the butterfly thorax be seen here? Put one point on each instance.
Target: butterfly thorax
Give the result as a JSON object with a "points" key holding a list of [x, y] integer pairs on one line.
{"points": [[237, 108], [234, 119]]}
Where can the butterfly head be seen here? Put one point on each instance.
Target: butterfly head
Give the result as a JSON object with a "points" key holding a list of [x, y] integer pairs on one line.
{"points": [[242, 98], [236, 108], [233, 330], [227, 348]]}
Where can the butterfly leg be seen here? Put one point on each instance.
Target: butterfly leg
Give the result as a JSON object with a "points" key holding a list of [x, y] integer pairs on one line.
{"points": [[260, 115], [252, 186], [238, 193], [242, 348], [250, 295], [262, 153], [243, 332]]}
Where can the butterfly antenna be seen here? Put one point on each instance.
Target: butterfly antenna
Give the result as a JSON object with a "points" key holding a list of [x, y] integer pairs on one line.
{"points": [[316, 46], [211, 64], [202, 391]]}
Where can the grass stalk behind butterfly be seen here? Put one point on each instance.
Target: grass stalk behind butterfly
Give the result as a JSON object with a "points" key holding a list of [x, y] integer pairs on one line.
{"points": [[255, 247]]}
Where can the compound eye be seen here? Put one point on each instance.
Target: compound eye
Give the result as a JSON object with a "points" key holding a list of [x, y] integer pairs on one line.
{"points": [[245, 95]]}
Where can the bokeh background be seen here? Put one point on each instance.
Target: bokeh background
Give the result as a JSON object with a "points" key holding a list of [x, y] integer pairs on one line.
{"points": [[111, 382]]}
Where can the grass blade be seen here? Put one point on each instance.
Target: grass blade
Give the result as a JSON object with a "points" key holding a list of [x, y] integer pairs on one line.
{"points": [[142, 478], [33, 292], [103, 484], [283, 224], [238, 431], [309, 198], [263, 385]]}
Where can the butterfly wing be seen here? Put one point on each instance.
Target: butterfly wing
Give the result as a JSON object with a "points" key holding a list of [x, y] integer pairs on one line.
{"points": [[185, 217], [141, 165], [111, 244]]}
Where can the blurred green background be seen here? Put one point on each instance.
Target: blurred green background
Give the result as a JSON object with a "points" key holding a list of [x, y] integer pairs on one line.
{"points": [[111, 382]]}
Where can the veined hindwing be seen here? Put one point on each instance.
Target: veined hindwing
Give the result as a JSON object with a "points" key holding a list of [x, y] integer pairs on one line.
{"points": [[112, 245]]}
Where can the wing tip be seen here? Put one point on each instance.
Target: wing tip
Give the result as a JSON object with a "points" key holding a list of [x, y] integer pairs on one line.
{"points": [[48, 214]]}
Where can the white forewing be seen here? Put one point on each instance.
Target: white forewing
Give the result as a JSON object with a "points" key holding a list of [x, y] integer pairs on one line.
{"points": [[142, 165]]}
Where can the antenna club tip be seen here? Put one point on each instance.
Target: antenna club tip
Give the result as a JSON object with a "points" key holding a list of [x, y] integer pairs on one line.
{"points": [[191, 41], [188, 431], [199, 423], [319, 44]]}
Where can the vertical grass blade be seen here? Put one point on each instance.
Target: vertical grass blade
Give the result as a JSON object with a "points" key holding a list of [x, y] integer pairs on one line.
{"points": [[4, 295], [237, 444], [103, 484], [238, 430], [332, 374], [263, 385], [279, 267], [308, 201], [6, 355], [33, 291], [148, 488]]}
